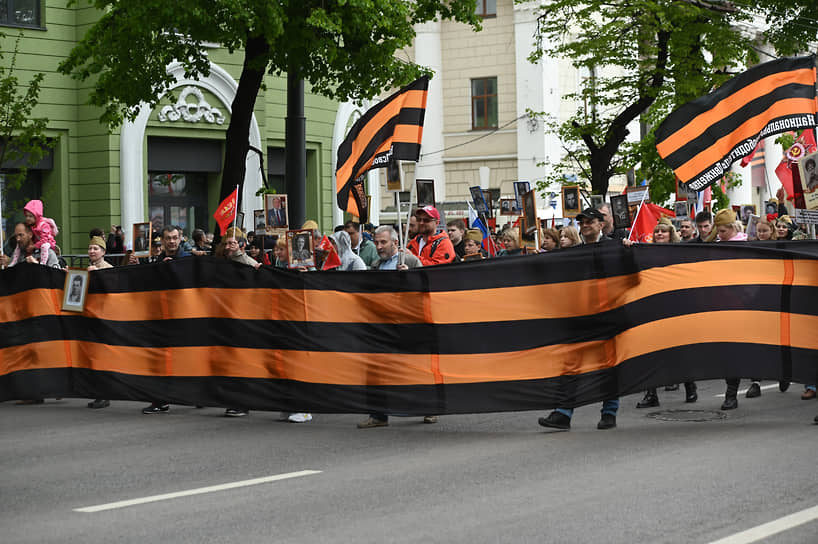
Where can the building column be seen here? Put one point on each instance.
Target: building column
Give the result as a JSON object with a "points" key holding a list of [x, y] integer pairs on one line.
{"points": [[428, 52]]}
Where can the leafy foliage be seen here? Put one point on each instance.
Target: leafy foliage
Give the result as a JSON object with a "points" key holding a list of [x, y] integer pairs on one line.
{"points": [[22, 137]]}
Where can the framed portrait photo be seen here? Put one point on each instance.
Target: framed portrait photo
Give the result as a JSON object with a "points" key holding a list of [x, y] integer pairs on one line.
{"points": [[752, 227], [259, 225], [680, 208], [142, 234], [425, 192], [620, 212], [479, 199], [393, 176], [300, 248], [520, 188], [570, 201], [508, 206], [596, 200], [530, 212], [75, 289], [746, 211], [684, 192], [809, 172], [275, 213]]}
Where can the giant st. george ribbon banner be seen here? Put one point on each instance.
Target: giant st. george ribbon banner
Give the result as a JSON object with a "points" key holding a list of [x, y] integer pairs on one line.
{"points": [[521, 333]]}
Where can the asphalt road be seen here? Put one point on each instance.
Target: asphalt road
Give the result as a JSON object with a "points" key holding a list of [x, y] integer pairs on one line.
{"points": [[470, 478]]}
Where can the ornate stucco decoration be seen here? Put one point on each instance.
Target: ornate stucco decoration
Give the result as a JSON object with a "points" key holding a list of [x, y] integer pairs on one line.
{"points": [[191, 112]]}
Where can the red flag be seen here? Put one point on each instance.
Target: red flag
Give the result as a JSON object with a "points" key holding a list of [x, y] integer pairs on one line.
{"points": [[226, 211], [804, 145], [649, 214], [332, 260]]}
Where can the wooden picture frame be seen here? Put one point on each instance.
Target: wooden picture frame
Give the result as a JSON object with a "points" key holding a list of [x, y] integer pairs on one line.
{"points": [[529, 238], [300, 248], [473, 257], [570, 201], [276, 218], [142, 234], [530, 212], [425, 192], [75, 289], [508, 206], [620, 212]]}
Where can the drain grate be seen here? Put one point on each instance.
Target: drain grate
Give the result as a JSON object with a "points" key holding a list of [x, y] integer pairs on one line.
{"points": [[688, 415]]}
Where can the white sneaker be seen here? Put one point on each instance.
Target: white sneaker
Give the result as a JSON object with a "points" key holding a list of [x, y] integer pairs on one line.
{"points": [[300, 418]]}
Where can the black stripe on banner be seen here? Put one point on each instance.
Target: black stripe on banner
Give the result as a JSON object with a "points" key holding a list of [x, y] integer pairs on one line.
{"points": [[445, 339], [684, 363], [730, 123], [25, 276], [680, 117]]}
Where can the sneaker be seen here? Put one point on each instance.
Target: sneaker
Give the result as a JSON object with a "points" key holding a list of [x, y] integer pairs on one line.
{"points": [[808, 394], [650, 400], [370, 422], [730, 403], [99, 403], [430, 419], [607, 421], [753, 391], [299, 418], [556, 420], [691, 394], [783, 385], [235, 412], [156, 409]]}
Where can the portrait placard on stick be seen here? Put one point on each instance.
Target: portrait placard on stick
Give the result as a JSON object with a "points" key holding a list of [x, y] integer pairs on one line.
{"points": [[75, 289], [570, 200], [142, 239], [520, 188], [530, 212], [620, 212], [300, 248], [275, 210], [425, 192], [479, 199]]}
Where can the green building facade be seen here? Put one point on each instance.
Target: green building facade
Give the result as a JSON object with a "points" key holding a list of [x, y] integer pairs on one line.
{"points": [[165, 166]]}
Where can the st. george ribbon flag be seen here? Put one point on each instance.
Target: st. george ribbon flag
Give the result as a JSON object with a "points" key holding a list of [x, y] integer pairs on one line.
{"points": [[701, 139], [389, 131], [522, 333]]}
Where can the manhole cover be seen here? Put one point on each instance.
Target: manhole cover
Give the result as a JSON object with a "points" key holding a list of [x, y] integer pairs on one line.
{"points": [[688, 415]]}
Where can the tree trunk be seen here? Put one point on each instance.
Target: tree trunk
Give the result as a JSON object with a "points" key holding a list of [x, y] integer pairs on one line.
{"points": [[237, 140]]}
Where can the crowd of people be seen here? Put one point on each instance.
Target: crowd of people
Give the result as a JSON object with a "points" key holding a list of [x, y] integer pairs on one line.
{"points": [[366, 247]]}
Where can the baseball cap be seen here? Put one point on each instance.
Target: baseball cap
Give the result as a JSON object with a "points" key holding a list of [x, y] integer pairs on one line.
{"points": [[431, 211], [590, 213]]}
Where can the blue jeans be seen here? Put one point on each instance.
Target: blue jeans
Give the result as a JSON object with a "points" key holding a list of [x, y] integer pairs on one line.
{"points": [[609, 406]]}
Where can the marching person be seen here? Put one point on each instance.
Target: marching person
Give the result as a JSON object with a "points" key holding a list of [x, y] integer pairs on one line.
{"points": [[362, 247], [456, 229], [429, 247], [473, 243]]}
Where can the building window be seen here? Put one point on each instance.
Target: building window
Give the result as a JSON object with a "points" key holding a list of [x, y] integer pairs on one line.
{"points": [[484, 103], [486, 8], [20, 12]]}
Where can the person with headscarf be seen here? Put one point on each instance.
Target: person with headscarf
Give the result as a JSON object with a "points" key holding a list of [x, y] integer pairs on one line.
{"points": [[726, 229], [96, 256], [349, 261]]}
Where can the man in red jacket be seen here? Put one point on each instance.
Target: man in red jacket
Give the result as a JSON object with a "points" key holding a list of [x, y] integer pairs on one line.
{"points": [[429, 247]]}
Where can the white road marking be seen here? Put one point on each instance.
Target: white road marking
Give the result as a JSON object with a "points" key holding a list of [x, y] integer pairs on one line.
{"points": [[198, 491], [768, 529], [744, 391]]}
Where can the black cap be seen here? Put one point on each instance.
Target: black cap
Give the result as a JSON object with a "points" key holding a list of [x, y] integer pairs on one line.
{"points": [[591, 213]]}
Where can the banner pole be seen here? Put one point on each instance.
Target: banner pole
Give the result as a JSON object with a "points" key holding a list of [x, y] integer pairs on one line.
{"points": [[236, 212], [400, 229], [409, 213], [2, 231], [638, 210]]}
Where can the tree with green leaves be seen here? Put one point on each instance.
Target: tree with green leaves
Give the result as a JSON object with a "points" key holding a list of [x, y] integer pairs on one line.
{"points": [[22, 136], [345, 49], [644, 59]]}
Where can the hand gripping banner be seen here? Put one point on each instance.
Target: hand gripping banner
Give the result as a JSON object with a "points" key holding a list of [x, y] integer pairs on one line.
{"points": [[526, 333], [701, 139]]}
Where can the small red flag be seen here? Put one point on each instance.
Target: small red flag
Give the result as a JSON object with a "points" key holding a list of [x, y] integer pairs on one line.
{"points": [[649, 214], [332, 260], [226, 211]]}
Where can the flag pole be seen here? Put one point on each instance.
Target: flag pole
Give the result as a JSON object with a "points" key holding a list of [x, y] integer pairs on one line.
{"points": [[400, 228], [638, 210], [236, 212], [408, 213], [2, 231]]}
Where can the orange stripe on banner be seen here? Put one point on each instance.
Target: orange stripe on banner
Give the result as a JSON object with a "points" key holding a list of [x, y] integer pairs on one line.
{"points": [[409, 99], [545, 301], [741, 327], [699, 124], [747, 129], [404, 134], [789, 273]]}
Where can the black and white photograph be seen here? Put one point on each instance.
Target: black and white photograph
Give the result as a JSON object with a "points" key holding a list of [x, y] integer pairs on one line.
{"points": [[809, 172], [530, 212], [570, 200], [746, 211], [752, 227], [300, 247], [680, 208], [620, 212], [520, 188], [425, 192], [596, 200], [75, 289], [275, 208], [684, 192], [478, 199], [141, 239], [259, 225]]}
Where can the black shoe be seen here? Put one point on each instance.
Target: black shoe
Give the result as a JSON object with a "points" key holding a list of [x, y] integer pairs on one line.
{"points": [[234, 412], [816, 420], [730, 403], [99, 403], [156, 409], [607, 421], [690, 392], [650, 400], [753, 391], [674, 387], [556, 420], [783, 385]]}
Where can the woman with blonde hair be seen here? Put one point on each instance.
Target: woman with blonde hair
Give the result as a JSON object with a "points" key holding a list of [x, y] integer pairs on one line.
{"points": [[665, 233], [765, 229], [569, 237], [726, 228], [550, 240]]}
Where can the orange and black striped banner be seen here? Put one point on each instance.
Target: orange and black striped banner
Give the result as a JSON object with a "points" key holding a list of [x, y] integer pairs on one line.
{"points": [[701, 139], [391, 130], [534, 332]]}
